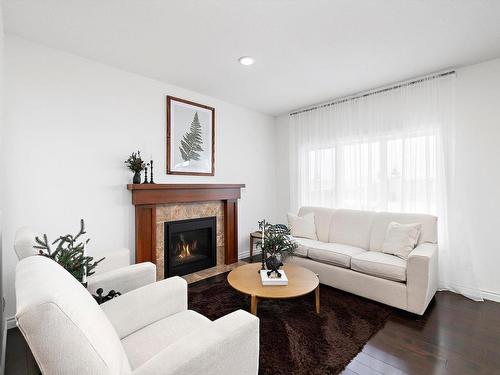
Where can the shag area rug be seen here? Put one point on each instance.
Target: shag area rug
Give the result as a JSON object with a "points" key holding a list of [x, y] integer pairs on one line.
{"points": [[293, 338]]}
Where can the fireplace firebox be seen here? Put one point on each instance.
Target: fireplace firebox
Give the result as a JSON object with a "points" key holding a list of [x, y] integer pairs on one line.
{"points": [[190, 245]]}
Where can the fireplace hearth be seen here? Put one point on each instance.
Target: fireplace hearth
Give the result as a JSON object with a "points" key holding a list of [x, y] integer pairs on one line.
{"points": [[190, 245]]}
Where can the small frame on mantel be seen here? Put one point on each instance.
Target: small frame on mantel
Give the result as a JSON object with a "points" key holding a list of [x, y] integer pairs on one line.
{"points": [[190, 138]]}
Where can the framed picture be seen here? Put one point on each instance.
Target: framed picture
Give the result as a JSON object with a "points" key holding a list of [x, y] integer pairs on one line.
{"points": [[190, 138]]}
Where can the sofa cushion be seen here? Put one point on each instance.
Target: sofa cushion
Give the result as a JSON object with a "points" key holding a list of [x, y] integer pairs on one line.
{"points": [[333, 253], [322, 219], [350, 227], [302, 226], [400, 239], [379, 264], [381, 220], [142, 345], [303, 245]]}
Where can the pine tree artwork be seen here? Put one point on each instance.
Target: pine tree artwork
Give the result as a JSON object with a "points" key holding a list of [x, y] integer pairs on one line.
{"points": [[191, 141], [190, 138]]}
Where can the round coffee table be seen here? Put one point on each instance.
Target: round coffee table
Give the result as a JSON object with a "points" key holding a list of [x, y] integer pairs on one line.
{"points": [[301, 281]]}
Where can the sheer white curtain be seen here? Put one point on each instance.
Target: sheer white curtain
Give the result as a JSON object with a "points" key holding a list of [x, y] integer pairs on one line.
{"points": [[390, 151]]}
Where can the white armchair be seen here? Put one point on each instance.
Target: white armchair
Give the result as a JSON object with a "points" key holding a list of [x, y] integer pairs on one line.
{"points": [[114, 273], [146, 331]]}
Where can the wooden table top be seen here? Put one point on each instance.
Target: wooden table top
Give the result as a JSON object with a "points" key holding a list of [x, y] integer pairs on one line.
{"points": [[246, 279]]}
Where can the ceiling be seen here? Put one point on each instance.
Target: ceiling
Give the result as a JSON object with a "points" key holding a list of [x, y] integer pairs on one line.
{"points": [[306, 51]]}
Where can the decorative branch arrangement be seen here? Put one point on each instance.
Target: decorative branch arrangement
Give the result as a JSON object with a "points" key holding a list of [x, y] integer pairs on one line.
{"points": [[135, 162], [276, 245], [136, 165], [277, 240], [69, 253]]}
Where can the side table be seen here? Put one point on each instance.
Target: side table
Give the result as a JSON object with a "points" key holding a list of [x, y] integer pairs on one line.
{"points": [[257, 235]]}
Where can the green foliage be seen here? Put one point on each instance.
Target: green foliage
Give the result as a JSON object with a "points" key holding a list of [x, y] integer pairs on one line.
{"points": [[69, 252], [135, 162], [277, 240], [191, 141]]}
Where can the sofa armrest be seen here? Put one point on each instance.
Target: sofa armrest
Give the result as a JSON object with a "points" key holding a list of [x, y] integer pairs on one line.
{"points": [[112, 259], [229, 346], [422, 276], [146, 305], [123, 279]]}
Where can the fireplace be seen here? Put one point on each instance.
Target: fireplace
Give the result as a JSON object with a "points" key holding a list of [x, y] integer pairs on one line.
{"points": [[190, 245]]}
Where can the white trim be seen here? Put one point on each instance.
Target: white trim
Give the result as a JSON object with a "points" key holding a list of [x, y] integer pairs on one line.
{"points": [[492, 296], [246, 254], [3, 346], [10, 322], [243, 254]]}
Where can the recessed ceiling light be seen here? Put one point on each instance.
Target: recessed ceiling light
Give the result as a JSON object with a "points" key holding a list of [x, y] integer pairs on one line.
{"points": [[246, 60]]}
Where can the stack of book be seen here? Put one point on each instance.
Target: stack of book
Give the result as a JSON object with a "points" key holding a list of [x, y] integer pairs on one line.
{"points": [[273, 279]]}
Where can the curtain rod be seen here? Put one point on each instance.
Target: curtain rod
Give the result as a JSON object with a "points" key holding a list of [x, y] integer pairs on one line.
{"points": [[369, 93]]}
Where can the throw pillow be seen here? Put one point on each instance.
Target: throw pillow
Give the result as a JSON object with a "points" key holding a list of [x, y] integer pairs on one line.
{"points": [[401, 239], [302, 226]]}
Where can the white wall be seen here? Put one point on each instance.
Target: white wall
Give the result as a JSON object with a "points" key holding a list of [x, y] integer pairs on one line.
{"points": [[2, 325], [282, 168], [478, 157], [72, 122], [478, 173]]}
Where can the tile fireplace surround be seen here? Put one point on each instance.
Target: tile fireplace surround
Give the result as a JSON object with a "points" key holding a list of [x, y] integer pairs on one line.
{"points": [[156, 204], [181, 211]]}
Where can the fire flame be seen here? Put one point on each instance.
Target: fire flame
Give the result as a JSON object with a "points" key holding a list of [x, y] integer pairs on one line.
{"points": [[186, 248]]}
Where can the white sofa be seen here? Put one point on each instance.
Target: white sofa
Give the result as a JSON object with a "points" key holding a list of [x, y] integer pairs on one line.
{"points": [[347, 255], [145, 331], [114, 273]]}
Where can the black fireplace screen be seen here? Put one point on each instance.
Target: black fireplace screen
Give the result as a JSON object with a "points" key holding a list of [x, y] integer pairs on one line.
{"points": [[190, 245]]}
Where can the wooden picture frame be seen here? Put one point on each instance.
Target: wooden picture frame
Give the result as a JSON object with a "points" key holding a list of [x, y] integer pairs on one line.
{"points": [[190, 138]]}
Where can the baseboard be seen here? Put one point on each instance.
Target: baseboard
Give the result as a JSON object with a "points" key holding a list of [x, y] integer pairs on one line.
{"points": [[10, 322], [491, 296], [246, 254]]}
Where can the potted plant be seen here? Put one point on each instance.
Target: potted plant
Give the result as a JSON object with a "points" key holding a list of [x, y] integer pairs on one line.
{"points": [[276, 245], [136, 165]]}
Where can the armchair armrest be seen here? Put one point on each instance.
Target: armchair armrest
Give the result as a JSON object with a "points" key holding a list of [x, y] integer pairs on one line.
{"points": [[422, 276], [229, 346], [148, 304], [123, 279]]}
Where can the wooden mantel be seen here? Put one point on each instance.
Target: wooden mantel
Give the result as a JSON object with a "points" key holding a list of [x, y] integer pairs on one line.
{"points": [[146, 197]]}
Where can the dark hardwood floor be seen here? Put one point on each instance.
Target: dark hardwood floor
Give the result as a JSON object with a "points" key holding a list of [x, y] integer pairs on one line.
{"points": [[455, 336], [18, 357]]}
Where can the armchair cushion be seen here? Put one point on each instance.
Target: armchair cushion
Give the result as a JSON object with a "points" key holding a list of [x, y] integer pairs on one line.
{"points": [[205, 351], [146, 305], [142, 345]]}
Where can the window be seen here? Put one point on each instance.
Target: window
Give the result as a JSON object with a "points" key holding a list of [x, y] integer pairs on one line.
{"points": [[393, 173]]}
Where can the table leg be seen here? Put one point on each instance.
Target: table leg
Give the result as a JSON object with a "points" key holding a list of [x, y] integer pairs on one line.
{"points": [[253, 305], [251, 248], [316, 292]]}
